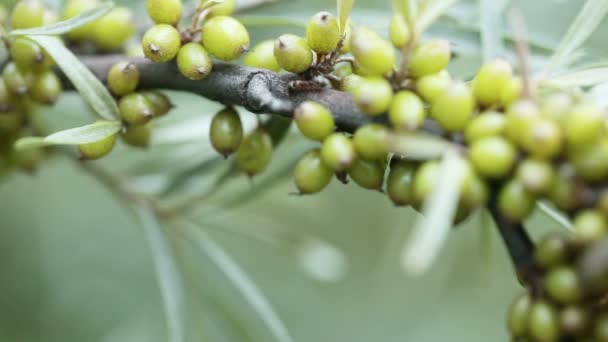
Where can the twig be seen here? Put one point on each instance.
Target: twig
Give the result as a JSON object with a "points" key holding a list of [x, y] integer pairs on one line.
{"points": [[518, 26]]}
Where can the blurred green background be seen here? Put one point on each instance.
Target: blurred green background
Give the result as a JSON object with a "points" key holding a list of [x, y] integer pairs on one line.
{"points": [[75, 265]]}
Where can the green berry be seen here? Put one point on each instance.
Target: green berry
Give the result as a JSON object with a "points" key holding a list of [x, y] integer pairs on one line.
{"points": [[399, 184], [574, 320], [454, 108], [293, 53], [226, 131], [398, 31], [29, 55], [3, 15], [137, 135], [493, 157], [486, 124], [592, 268], [338, 152], [17, 81], [194, 62], [373, 53], [98, 149], [73, 8], [373, 95], [429, 58], [161, 105], [46, 88], [226, 7], [371, 141], [350, 83], [225, 38], [311, 174], [600, 329], [543, 323], [562, 285], [536, 175], [135, 109], [543, 139], [582, 124], [10, 124], [368, 174], [490, 81], [514, 201], [425, 179], [323, 33], [5, 97], [563, 193], [511, 91], [123, 78], [113, 30], [255, 152], [518, 316], [591, 162], [589, 226], [430, 87], [262, 56], [406, 111], [520, 116], [164, 11], [551, 251], [27, 14], [314, 120], [474, 191], [556, 106], [161, 43]]}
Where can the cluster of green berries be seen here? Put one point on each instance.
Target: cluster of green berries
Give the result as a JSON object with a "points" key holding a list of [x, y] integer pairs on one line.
{"points": [[569, 301], [220, 36]]}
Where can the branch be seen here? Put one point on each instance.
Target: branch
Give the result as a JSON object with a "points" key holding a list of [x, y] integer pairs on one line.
{"points": [[257, 90]]}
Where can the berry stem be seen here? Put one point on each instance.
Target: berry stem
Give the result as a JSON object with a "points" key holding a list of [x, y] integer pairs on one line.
{"points": [[518, 26]]}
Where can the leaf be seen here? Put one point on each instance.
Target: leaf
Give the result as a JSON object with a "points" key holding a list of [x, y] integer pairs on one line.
{"points": [[74, 136], [557, 217], [491, 22], [241, 281], [582, 77], [587, 20], [439, 209], [67, 25], [344, 8], [169, 279], [432, 11], [89, 87], [418, 146]]}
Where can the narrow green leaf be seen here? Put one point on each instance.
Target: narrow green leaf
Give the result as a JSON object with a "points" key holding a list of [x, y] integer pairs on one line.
{"points": [[241, 281], [67, 25], [491, 21], [581, 77], [74, 136], [344, 8], [169, 278], [432, 11], [418, 146], [557, 217], [439, 209], [587, 20], [89, 87]]}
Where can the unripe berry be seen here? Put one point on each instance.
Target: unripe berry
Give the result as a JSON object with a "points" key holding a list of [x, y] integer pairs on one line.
{"points": [[425, 179], [371, 141], [123, 78], [73, 8], [431, 87], [493, 157], [226, 131], [454, 107], [255, 152], [46, 88], [135, 109], [563, 193], [311, 174], [429, 58], [225, 38], [164, 11], [350, 83], [226, 7], [511, 91], [398, 31], [543, 323], [17, 81], [574, 320], [338, 152], [543, 139], [486, 124], [5, 97], [27, 14], [563, 285], [314, 120], [161, 43], [3, 15], [98, 149], [590, 162], [29, 55], [10, 125], [137, 135], [514, 201], [323, 33], [161, 105], [293, 53], [373, 95], [28, 159], [114, 29], [520, 116], [406, 111], [474, 191], [399, 184], [518, 316], [374, 54], [343, 69], [600, 329], [194, 62], [262, 56], [490, 81], [556, 106], [589, 226], [583, 124], [368, 174], [551, 251], [536, 175]]}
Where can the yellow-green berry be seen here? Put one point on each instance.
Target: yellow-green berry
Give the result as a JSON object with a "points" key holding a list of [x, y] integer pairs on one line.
{"points": [[262, 56], [429, 58], [135, 109], [137, 135], [27, 14], [164, 11], [226, 7], [225, 38], [194, 62], [373, 53], [430, 87], [514, 201], [536, 175], [490, 81], [98, 149], [454, 107], [293, 53], [73, 8], [485, 125], [399, 184], [161, 43], [255, 152], [368, 174], [226, 131], [161, 105], [17, 81], [314, 120], [338, 152], [371, 141], [46, 88], [123, 78], [311, 175], [406, 111], [113, 30], [373, 95], [493, 157], [398, 31], [323, 33]]}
